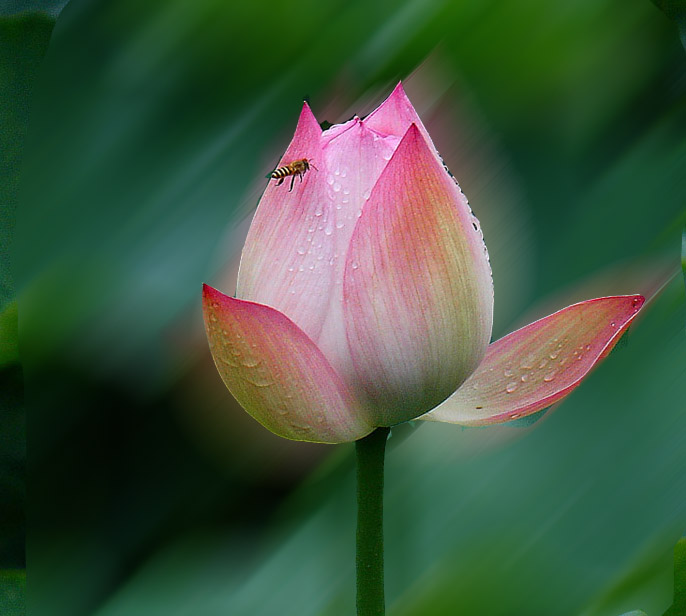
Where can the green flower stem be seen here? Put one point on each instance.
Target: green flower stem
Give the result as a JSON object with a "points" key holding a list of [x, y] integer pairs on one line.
{"points": [[370, 463]]}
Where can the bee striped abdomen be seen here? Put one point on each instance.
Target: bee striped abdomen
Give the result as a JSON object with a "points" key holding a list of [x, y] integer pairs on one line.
{"points": [[281, 172], [297, 167]]}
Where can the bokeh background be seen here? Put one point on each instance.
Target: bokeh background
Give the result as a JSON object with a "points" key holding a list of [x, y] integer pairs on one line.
{"points": [[136, 138]]}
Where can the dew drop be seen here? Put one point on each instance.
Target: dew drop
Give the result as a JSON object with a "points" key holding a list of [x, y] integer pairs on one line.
{"points": [[554, 355], [387, 155], [337, 172], [311, 267], [524, 378], [354, 265], [527, 363], [511, 387], [543, 363], [336, 187], [301, 268], [613, 324], [330, 180], [343, 173], [508, 371], [588, 347], [339, 224], [301, 250], [366, 194], [549, 376], [290, 269]]}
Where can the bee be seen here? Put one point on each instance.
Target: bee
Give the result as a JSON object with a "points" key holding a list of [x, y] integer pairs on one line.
{"points": [[296, 168]]}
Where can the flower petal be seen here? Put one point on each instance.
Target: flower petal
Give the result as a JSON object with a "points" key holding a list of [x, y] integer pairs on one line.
{"points": [[285, 260], [278, 374], [417, 290], [534, 367], [395, 116], [355, 158]]}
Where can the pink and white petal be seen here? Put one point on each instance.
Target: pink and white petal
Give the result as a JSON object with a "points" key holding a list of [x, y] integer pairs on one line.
{"points": [[278, 374], [354, 158], [417, 289], [285, 262], [395, 116], [536, 366]]}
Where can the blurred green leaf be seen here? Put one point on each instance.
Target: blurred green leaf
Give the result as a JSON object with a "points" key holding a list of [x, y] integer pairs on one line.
{"points": [[12, 593], [9, 344], [683, 253], [676, 11], [24, 40], [678, 607]]}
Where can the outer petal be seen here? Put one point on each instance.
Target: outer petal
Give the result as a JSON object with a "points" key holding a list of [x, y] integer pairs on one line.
{"points": [[417, 290], [278, 374], [534, 367], [285, 262]]}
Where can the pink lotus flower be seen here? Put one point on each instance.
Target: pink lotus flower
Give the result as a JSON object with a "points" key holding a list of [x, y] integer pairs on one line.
{"points": [[365, 297]]}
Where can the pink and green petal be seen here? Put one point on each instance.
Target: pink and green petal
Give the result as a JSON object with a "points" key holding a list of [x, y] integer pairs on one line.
{"points": [[538, 365], [278, 374], [286, 259], [417, 289]]}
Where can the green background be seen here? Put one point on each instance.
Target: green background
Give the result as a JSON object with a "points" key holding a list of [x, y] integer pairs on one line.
{"points": [[137, 140]]}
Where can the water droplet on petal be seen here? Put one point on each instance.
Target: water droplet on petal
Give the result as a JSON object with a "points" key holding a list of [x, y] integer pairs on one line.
{"points": [[543, 363], [354, 265], [336, 187], [330, 180], [511, 387], [549, 376], [524, 378], [508, 371]]}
